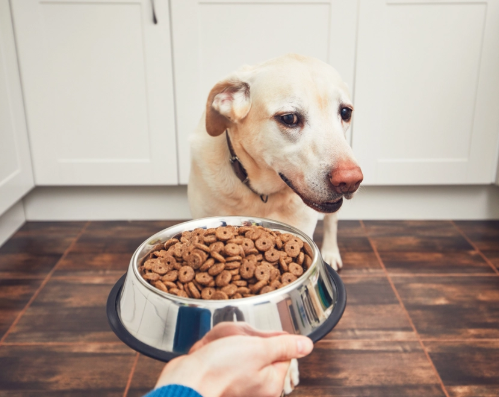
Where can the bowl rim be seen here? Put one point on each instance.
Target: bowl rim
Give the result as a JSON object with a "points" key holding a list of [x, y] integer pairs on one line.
{"points": [[134, 262]]}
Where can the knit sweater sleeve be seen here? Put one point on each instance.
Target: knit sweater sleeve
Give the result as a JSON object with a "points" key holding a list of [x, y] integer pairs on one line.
{"points": [[173, 391]]}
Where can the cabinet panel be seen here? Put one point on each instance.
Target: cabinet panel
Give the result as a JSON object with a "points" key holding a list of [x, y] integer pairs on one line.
{"points": [[423, 95], [16, 177], [213, 38], [97, 77]]}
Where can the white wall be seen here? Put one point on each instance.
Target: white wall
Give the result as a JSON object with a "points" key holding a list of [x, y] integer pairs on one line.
{"points": [[372, 202]]}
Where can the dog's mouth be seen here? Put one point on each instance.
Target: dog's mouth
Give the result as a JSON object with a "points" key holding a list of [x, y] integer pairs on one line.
{"points": [[324, 206]]}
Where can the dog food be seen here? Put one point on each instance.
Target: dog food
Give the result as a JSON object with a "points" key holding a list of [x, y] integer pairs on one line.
{"points": [[227, 262]]}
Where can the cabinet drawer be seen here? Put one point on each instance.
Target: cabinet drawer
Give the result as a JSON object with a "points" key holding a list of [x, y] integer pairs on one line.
{"points": [[97, 79], [426, 93], [16, 177]]}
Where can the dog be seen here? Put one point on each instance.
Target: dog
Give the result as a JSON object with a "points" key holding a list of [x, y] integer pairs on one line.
{"points": [[272, 144]]}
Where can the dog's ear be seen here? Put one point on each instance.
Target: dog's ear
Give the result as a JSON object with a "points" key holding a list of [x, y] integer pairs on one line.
{"points": [[228, 103]]}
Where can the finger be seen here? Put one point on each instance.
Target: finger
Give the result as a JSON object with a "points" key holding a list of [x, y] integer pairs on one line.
{"points": [[225, 329], [274, 376], [196, 346], [282, 369], [250, 331], [221, 330], [286, 347]]}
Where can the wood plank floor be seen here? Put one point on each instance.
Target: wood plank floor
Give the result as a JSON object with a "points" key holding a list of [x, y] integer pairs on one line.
{"points": [[422, 317]]}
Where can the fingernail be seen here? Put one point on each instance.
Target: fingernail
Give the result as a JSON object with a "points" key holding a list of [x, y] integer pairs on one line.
{"points": [[303, 345]]}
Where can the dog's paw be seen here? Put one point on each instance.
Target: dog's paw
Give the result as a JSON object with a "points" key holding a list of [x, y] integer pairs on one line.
{"points": [[292, 377], [332, 257]]}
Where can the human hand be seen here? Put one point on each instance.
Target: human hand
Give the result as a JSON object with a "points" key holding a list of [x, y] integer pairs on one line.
{"points": [[239, 365]]}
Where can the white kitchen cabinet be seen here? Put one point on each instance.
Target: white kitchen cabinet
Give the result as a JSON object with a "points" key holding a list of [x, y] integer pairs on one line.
{"points": [[427, 91], [16, 177], [98, 86], [213, 38]]}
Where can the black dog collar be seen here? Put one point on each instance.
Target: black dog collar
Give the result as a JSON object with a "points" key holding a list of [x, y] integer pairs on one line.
{"points": [[239, 169]]}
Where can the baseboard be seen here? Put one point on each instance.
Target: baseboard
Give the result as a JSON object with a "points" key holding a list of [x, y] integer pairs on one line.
{"points": [[107, 203], [424, 202], [10, 221], [371, 202]]}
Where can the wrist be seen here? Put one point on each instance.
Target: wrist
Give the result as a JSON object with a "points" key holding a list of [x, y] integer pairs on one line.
{"points": [[190, 372]]}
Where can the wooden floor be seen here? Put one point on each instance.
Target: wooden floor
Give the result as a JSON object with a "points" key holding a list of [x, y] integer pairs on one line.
{"points": [[422, 317]]}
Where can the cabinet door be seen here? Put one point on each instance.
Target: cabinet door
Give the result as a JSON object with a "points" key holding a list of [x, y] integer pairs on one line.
{"points": [[16, 177], [97, 78], [213, 38], [426, 91]]}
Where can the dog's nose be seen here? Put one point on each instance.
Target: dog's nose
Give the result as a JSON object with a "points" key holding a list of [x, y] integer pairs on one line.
{"points": [[346, 178]]}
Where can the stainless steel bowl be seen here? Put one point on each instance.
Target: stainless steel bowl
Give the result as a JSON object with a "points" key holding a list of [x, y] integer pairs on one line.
{"points": [[163, 325]]}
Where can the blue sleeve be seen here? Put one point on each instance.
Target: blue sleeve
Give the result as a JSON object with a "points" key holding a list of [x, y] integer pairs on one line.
{"points": [[173, 391]]}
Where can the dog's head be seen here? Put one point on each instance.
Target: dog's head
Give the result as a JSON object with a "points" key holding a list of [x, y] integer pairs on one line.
{"points": [[290, 115]]}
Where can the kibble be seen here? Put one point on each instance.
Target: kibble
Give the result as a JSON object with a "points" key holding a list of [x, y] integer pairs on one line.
{"points": [[226, 262]]}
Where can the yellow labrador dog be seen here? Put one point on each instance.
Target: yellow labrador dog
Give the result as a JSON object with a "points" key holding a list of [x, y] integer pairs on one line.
{"points": [[272, 144]]}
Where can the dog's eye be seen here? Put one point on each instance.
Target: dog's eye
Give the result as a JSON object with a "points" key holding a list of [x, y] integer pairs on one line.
{"points": [[290, 119], [346, 114]]}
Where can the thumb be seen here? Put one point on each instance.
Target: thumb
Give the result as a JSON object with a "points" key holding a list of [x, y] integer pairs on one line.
{"points": [[225, 329], [286, 347]]}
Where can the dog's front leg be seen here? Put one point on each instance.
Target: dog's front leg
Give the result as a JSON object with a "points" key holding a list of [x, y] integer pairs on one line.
{"points": [[330, 250]]}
